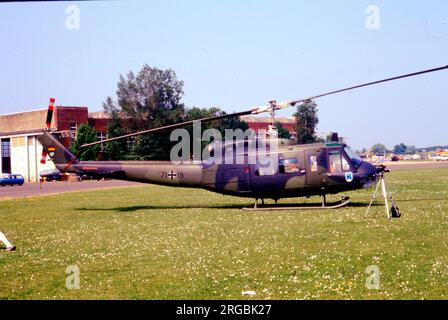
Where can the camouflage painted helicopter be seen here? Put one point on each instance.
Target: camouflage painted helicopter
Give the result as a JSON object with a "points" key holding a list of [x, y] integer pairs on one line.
{"points": [[300, 170]]}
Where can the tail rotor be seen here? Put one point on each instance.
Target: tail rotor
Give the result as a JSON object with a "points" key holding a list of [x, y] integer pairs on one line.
{"points": [[50, 111]]}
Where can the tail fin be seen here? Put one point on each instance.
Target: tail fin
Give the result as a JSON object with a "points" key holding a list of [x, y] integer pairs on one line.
{"points": [[62, 158]]}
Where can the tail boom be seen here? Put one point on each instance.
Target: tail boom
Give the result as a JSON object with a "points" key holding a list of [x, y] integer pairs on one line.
{"points": [[62, 158]]}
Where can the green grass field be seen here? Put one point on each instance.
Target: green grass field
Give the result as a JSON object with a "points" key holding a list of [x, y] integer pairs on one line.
{"points": [[155, 242]]}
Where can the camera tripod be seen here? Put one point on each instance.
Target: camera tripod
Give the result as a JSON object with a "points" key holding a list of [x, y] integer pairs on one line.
{"points": [[387, 196]]}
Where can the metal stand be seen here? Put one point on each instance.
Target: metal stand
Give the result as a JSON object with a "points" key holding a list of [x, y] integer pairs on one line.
{"points": [[381, 182]]}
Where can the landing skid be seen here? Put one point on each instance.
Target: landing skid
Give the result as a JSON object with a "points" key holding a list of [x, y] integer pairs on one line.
{"points": [[318, 206]]}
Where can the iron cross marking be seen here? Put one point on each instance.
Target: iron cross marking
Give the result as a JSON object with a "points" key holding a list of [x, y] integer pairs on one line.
{"points": [[172, 175]]}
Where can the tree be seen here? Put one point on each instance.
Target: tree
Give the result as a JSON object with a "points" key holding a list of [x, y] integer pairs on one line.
{"points": [[150, 99], [116, 150], [400, 148], [85, 134], [232, 123], [227, 123], [378, 149], [307, 120], [282, 132], [221, 125]]}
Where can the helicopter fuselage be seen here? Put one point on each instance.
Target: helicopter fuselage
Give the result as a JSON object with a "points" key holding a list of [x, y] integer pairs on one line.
{"points": [[299, 170]]}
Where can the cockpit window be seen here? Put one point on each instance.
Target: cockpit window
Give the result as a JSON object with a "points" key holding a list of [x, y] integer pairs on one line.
{"points": [[345, 165], [355, 159], [338, 162]]}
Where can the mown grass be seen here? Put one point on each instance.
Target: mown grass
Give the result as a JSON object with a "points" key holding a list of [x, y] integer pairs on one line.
{"points": [[155, 242]]}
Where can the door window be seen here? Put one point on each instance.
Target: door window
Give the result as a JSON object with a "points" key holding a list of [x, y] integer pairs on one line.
{"points": [[335, 161], [312, 161], [290, 165]]}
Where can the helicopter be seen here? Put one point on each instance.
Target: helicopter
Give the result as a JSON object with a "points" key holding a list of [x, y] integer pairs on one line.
{"points": [[306, 170]]}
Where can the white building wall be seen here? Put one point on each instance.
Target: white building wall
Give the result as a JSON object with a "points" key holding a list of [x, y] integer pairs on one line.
{"points": [[19, 156], [26, 154]]}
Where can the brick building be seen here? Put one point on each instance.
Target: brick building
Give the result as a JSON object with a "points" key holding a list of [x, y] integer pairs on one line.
{"points": [[262, 123], [20, 150]]}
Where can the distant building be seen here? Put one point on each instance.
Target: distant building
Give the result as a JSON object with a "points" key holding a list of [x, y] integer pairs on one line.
{"points": [[20, 150], [262, 123]]}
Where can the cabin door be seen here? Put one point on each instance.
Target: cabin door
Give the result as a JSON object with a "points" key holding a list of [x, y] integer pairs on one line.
{"points": [[314, 169]]}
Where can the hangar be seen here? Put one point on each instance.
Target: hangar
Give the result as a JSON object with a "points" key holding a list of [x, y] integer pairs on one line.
{"points": [[20, 150]]}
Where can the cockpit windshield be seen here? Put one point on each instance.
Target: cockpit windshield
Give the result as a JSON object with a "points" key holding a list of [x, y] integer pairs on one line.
{"points": [[355, 159]]}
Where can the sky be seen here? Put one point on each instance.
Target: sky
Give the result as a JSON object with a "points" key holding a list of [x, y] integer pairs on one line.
{"points": [[236, 54]]}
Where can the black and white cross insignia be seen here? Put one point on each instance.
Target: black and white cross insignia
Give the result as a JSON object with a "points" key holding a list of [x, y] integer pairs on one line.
{"points": [[172, 175]]}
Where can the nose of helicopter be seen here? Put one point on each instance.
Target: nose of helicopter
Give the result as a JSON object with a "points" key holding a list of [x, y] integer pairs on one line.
{"points": [[368, 174]]}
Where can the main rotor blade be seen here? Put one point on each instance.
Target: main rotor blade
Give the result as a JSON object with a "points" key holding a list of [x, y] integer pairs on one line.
{"points": [[171, 126], [263, 109], [293, 102]]}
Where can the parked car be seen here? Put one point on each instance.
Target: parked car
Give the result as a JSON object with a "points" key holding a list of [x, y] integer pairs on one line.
{"points": [[56, 175], [11, 179], [50, 175], [394, 158]]}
